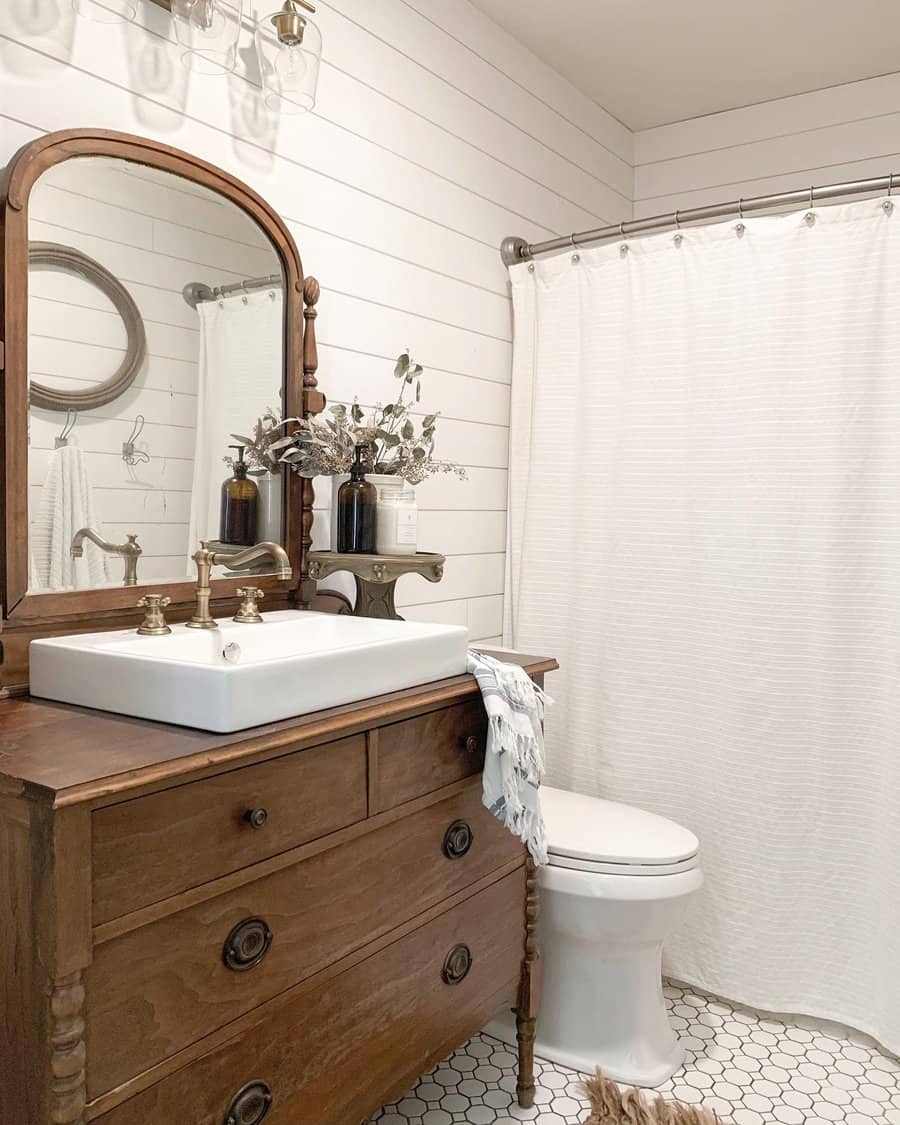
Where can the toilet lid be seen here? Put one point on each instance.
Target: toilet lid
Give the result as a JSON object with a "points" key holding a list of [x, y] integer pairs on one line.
{"points": [[592, 830]]}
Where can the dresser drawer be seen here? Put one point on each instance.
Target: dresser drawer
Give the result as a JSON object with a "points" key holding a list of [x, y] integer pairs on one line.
{"points": [[420, 755], [332, 1054], [157, 989], [152, 847]]}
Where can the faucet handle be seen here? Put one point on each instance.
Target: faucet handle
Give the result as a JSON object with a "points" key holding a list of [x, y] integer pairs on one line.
{"points": [[154, 623], [248, 612]]}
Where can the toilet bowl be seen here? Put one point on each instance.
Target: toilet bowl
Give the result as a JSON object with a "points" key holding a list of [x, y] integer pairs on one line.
{"points": [[618, 882]]}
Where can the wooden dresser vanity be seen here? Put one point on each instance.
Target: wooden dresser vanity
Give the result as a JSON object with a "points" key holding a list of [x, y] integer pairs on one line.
{"points": [[293, 921]]}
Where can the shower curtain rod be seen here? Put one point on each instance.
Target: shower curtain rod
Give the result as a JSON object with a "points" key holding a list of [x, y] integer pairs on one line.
{"points": [[195, 291], [515, 249]]}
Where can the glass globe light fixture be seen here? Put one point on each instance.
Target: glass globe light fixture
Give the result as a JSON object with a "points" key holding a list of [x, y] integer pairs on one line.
{"points": [[106, 11], [289, 49], [208, 33]]}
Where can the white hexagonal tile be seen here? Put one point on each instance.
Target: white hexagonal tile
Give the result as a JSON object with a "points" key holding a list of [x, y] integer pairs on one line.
{"points": [[750, 1069]]}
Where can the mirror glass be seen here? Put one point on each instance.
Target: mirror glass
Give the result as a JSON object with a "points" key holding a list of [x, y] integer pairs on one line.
{"points": [[156, 333]]}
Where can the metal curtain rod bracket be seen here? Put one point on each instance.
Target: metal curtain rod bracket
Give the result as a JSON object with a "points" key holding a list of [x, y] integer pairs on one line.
{"points": [[513, 250], [195, 291]]}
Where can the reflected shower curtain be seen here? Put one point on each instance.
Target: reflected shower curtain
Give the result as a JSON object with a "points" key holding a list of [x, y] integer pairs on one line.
{"points": [[705, 529], [239, 378]]}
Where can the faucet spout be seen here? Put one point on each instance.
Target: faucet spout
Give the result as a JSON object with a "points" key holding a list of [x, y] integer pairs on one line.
{"points": [[258, 551], [130, 550], [205, 559]]}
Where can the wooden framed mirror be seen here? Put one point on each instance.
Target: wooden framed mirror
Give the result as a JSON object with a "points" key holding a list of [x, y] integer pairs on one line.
{"points": [[213, 286]]}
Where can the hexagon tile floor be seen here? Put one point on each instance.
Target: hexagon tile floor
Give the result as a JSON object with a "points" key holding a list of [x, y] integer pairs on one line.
{"points": [[752, 1069]]}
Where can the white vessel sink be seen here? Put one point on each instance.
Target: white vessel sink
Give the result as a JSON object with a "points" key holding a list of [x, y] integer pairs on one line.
{"points": [[292, 663]]}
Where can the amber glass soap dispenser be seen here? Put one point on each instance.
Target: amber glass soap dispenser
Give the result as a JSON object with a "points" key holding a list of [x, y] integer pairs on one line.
{"points": [[357, 502], [240, 503]]}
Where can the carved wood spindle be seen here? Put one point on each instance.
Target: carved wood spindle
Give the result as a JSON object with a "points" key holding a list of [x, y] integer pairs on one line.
{"points": [[313, 402], [529, 990], [311, 291], [68, 1083]]}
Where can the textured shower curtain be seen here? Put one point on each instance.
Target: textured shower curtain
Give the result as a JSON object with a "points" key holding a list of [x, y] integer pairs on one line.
{"points": [[239, 377], [705, 529]]}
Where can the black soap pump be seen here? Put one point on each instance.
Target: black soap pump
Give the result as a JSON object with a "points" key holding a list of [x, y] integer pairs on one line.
{"points": [[357, 500], [240, 503]]}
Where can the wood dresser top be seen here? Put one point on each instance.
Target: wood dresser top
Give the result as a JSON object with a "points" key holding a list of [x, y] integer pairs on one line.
{"points": [[68, 755]]}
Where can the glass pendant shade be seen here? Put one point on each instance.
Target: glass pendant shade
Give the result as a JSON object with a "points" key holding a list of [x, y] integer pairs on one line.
{"points": [[106, 11], [289, 49], [208, 33]]}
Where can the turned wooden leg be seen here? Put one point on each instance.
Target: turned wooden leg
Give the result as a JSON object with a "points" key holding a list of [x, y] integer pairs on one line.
{"points": [[529, 991], [525, 1081]]}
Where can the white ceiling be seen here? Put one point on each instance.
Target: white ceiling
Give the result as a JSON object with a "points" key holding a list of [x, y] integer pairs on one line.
{"points": [[649, 62]]}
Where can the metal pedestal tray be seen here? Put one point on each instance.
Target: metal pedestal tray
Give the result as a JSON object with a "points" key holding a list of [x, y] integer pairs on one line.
{"points": [[376, 576]]}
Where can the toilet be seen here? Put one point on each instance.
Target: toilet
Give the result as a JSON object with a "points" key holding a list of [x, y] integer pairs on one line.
{"points": [[618, 882]]}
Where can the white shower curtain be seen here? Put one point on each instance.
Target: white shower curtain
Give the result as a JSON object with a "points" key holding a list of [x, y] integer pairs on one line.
{"points": [[705, 529], [240, 377]]}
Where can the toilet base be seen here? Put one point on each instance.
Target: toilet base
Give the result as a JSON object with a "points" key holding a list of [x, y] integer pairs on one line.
{"points": [[602, 1005], [503, 1027]]}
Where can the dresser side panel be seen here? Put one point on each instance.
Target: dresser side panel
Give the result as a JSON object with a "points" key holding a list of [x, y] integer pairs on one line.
{"points": [[22, 1027]]}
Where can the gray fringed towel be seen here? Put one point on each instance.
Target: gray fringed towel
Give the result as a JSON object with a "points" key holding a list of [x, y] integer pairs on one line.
{"points": [[514, 758]]}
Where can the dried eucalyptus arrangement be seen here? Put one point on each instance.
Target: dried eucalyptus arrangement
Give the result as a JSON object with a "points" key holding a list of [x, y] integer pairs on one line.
{"points": [[263, 450], [399, 443]]}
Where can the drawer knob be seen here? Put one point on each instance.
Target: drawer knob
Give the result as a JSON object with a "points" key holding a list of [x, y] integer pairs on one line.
{"points": [[457, 840], [249, 1105], [473, 744], [457, 964], [246, 945], [256, 818]]}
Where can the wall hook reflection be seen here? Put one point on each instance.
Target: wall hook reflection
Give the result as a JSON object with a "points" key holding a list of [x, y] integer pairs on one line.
{"points": [[65, 433], [130, 454]]}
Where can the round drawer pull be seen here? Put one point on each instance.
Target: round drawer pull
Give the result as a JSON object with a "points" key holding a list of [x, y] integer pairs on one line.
{"points": [[473, 744], [246, 945], [457, 840], [249, 1105], [457, 964], [256, 818]]}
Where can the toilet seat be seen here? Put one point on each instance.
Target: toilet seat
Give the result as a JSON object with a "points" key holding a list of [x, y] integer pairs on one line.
{"points": [[593, 835], [600, 868]]}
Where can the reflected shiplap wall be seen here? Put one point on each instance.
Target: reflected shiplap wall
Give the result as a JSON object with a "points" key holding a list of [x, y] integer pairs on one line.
{"points": [[435, 136], [155, 235], [839, 134]]}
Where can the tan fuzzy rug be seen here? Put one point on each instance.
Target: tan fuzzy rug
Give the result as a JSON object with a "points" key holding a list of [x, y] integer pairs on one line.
{"points": [[612, 1106]]}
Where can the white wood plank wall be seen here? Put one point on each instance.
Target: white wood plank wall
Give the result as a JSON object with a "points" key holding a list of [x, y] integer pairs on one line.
{"points": [[843, 133], [435, 136]]}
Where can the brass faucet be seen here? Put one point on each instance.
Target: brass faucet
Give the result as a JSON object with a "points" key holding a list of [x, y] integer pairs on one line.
{"points": [[207, 559], [130, 551]]}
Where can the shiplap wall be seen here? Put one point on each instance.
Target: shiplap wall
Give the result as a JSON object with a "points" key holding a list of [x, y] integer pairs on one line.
{"points": [[839, 134], [436, 135], [156, 235]]}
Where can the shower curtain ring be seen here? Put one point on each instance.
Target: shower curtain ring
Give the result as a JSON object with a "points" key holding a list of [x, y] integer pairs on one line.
{"points": [[888, 205], [741, 209]]}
